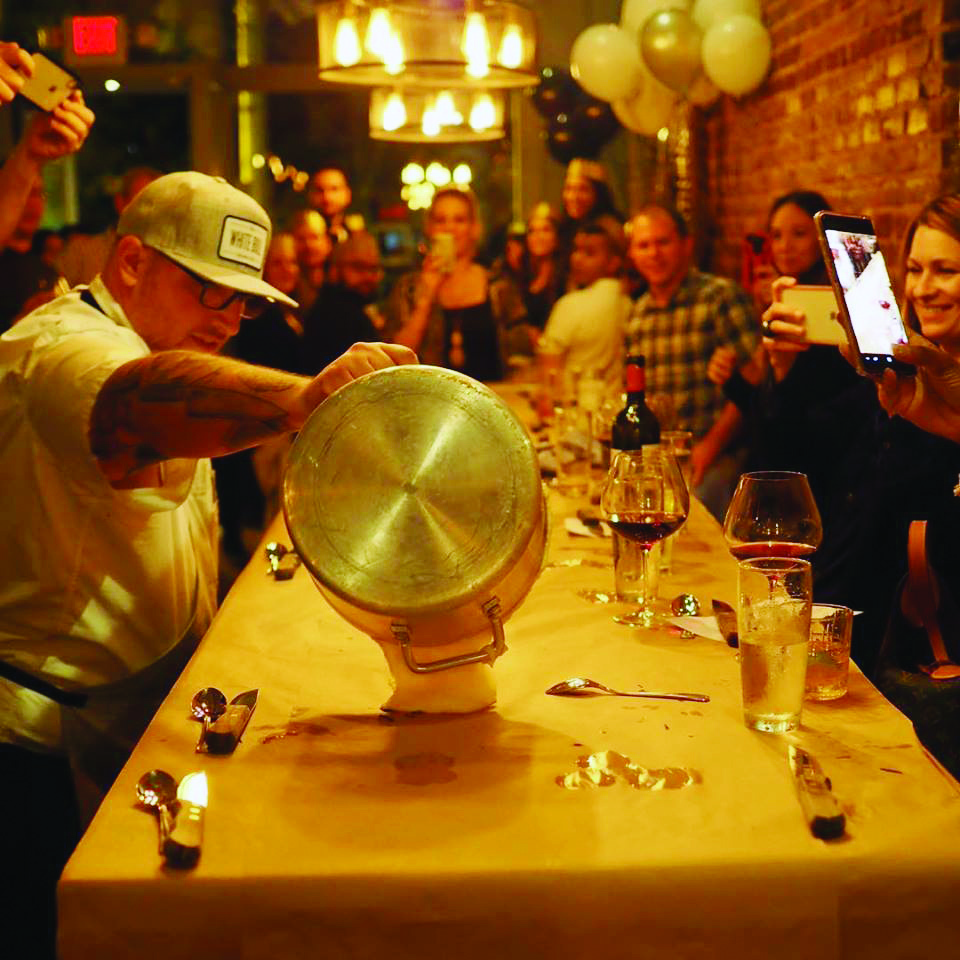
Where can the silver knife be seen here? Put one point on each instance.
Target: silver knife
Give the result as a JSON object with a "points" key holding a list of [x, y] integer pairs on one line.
{"points": [[820, 807], [224, 733], [726, 621]]}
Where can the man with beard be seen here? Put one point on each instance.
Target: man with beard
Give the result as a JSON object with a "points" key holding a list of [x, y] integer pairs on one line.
{"points": [[344, 312]]}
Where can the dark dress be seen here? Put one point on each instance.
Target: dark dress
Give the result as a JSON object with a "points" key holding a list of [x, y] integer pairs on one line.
{"points": [[472, 331], [337, 320]]}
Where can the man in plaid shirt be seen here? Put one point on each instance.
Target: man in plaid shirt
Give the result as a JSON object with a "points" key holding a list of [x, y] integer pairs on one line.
{"points": [[677, 324]]}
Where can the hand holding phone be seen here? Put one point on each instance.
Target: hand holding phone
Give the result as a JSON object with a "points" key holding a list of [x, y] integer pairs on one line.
{"points": [[868, 309]]}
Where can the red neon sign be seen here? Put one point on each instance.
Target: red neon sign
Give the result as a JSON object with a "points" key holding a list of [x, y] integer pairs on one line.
{"points": [[94, 36]]}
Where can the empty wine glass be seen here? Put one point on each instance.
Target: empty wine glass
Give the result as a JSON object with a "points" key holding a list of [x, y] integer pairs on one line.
{"points": [[644, 499], [772, 514]]}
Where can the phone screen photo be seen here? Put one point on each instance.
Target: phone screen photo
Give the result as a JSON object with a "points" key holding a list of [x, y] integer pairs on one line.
{"points": [[862, 286]]}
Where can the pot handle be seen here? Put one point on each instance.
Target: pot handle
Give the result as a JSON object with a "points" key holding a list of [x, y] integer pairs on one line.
{"points": [[486, 654]]}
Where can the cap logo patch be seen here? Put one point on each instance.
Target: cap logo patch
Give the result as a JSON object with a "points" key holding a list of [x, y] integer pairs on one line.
{"points": [[243, 241]]}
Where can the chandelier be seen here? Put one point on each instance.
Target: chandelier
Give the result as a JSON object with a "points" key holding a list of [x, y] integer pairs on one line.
{"points": [[439, 43], [421, 115]]}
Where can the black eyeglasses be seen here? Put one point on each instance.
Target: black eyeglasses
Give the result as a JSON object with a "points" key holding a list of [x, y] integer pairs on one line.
{"points": [[215, 296]]}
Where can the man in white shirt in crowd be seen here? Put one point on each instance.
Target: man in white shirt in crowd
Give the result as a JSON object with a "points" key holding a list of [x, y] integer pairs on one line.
{"points": [[587, 326]]}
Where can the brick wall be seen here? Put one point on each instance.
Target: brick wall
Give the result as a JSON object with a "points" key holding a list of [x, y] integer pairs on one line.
{"points": [[860, 103]]}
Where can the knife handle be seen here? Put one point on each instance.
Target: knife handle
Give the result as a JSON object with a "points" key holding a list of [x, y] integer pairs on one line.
{"points": [[182, 846], [820, 807], [223, 734]]}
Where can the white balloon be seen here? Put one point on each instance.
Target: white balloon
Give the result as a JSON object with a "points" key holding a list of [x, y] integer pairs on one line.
{"points": [[605, 61], [708, 12], [649, 110], [736, 54], [634, 13]]}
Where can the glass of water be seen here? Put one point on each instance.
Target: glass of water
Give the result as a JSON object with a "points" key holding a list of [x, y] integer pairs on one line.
{"points": [[774, 623]]}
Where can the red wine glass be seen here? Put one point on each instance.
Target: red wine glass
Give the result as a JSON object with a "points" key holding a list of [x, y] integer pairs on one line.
{"points": [[772, 514], [644, 499]]}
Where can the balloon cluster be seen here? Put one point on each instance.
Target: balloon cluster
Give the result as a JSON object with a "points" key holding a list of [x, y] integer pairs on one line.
{"points": [[658, 54], [578, 124]]}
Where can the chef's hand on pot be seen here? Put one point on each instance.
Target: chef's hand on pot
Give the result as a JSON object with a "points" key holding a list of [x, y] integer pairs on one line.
{"points": [[360, 359]]}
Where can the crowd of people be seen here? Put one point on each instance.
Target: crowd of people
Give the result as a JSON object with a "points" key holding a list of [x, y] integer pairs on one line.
{"points": [[190, 334]]}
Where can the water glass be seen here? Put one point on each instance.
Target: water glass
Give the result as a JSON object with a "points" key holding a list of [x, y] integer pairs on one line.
{"points": [[571, 442], [775, 595], [828, 656]]}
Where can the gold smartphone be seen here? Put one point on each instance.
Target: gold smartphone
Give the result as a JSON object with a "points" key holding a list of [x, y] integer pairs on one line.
{"points": [[819, 307], [50, 84]]}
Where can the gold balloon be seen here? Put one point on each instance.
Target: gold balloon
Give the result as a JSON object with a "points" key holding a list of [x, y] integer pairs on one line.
{"points": [[670, 45]]}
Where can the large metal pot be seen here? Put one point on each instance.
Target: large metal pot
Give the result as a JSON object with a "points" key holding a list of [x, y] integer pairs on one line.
{"points": [[413, 496]]}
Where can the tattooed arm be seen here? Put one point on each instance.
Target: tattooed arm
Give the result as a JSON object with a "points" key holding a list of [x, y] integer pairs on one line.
{"points": [[178, 403]]}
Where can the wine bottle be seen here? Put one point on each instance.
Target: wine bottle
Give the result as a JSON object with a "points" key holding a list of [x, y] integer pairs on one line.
{"points": [[635, 425]]}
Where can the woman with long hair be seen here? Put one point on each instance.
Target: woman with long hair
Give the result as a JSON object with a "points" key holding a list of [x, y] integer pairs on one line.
{"points": [[586, 197], [450, 311]]}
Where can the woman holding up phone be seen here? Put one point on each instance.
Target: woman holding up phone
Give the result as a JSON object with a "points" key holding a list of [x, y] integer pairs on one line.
{"points": [[450, 311]]}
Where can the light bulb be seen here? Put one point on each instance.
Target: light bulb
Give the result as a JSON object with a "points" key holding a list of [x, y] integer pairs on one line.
{"points": [[438, 174], [394, 113], [447, 113], [482, 114], [393, 55], [476, 45], [430, 125], [510, 54], [346, 42], [378, 31], [462, 174], [412, 173]]}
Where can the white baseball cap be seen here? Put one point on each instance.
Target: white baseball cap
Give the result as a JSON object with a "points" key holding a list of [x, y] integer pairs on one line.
{"points": [[207, 226]]}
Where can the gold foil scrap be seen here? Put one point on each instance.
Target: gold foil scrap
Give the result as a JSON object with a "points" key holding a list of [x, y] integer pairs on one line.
{"points": [[608, 767]]}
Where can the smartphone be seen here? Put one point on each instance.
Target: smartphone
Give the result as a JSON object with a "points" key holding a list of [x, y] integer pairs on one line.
{"points": [[442, 249], [868, 309], [820, 309], [50, 84]]}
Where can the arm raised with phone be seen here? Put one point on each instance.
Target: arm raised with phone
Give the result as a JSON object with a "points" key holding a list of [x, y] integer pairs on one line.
{"points": [[49, 135]]}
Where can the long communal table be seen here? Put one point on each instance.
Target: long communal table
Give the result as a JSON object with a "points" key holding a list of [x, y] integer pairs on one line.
{"points": [[335, 831]]}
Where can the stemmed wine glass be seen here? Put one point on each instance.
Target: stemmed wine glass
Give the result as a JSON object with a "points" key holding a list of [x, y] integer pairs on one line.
{"points": [[772, 514], [644, 499]]}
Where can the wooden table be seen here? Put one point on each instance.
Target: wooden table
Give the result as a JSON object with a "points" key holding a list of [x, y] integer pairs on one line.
{"points": [[335, 832]]}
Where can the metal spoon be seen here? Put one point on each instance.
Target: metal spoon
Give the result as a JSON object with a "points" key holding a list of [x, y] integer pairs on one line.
{"points": [[157, 790], [685, 605], [207, 704], [583, 686]]}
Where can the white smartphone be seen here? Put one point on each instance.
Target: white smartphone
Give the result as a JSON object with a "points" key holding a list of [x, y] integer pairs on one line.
{"points": [[820, 309], [50, 84], [868, 309], [443, 251]]}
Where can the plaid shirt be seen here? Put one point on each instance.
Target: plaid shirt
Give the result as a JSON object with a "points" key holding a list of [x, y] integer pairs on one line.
{"points": [[678, 340]]}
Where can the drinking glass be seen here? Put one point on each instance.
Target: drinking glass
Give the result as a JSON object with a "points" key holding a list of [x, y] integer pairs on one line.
{"points": [[644, 499], [774, 626], [680, 444], [772, 514]]}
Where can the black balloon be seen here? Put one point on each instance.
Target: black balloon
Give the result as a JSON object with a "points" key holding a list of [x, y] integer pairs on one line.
{"points": [[593, 123], [556, 93], [561, 140]]}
